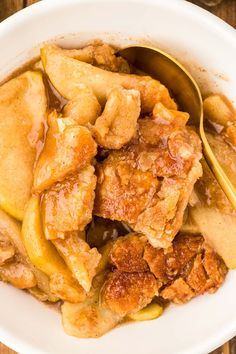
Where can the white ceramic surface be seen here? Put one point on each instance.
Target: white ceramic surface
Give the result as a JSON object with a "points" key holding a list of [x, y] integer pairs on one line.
{"points": [[207, 46]]}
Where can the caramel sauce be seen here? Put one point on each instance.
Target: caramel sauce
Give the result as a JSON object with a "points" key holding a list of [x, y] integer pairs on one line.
{"points": [[29, 65]]}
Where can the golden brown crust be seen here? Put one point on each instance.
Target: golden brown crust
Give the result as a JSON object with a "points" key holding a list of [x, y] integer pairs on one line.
{"points": [[118, 121], [79, 257], [128, 189], [206, 273], [67, 206], [68, 148], [151, 91], [84, 109], [179, 292], [165, 150], [124, 293], [127, 254], [104, 57], [167, 264], [122, 192], [18, 274], [166, 121], [7, 250], [187, 269], [66, 288], [163, 217], [215, 269], [197, 278]]}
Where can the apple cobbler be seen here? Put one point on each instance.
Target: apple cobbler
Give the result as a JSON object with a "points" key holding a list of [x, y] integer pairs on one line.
{"points": [[106, 204]]}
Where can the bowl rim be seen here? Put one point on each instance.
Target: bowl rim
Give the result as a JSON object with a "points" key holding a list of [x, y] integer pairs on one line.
{"points": [[204, 15], [226, 31]]}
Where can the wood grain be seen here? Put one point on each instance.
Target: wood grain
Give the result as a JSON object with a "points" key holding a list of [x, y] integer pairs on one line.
{"points": [[6, 350], [226, 10], [30, 2], [8, 7]]}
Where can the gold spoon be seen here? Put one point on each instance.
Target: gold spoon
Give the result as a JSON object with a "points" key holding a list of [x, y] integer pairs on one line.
{"points": [[184, 88]]}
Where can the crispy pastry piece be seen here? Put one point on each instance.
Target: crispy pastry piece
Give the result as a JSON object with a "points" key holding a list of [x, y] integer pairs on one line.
{"points": [[65, 73], [215, 268], [178, 292], [66, 288], [186, 269], [84, 109], [166, 122], [163, 217], [128, 190], [197, 278], [13, 267], [66, 209], [118, 122], [18, 274], [79, 257], [123, 192], [167, 264], [68, 148], [89, 319], [207, 273], [127, 252], [165, 146], [7, 250], [67, 206], [125, 293]]}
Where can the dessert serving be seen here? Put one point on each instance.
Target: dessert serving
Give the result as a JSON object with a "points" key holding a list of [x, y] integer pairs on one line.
{"points": [[108, 208]]}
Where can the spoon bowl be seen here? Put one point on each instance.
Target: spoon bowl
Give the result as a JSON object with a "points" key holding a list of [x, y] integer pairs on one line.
{"points": [[184, 89]]}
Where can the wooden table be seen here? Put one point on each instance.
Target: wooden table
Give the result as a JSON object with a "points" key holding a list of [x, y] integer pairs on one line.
{"points": [[226, 11]]}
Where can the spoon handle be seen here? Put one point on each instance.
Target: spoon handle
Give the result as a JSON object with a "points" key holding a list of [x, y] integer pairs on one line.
{"points": [[216, 168]]}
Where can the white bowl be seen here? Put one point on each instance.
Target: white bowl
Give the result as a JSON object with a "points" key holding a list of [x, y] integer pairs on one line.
{"points": [[207, 46]]}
